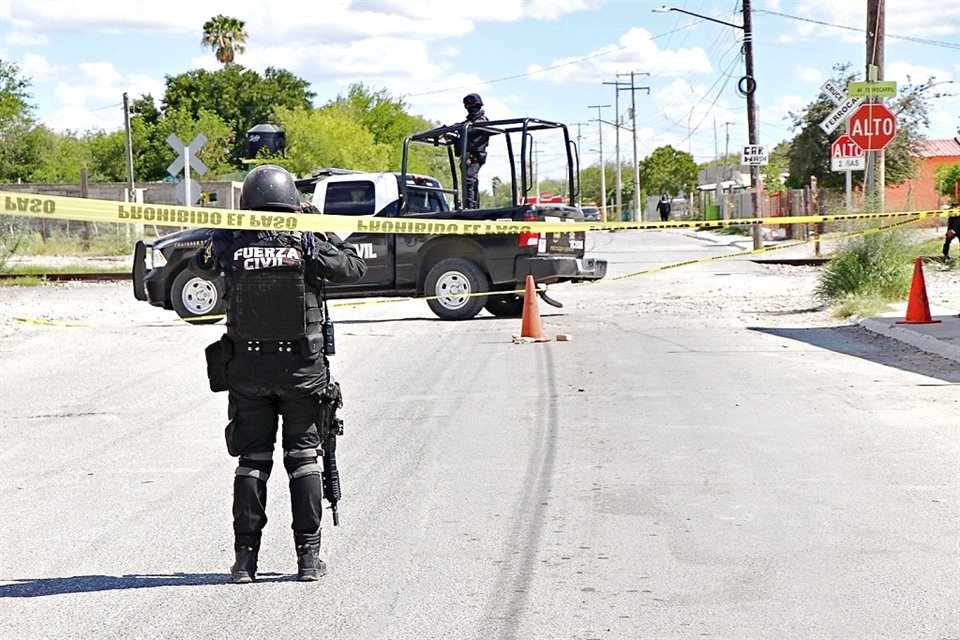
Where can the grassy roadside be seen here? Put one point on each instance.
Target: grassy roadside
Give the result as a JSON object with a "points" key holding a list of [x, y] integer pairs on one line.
{"points": [[23, 252], [869, 273]]}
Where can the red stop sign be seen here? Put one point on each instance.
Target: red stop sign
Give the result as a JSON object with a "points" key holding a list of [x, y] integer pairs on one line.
{"points": [[872, 126]]}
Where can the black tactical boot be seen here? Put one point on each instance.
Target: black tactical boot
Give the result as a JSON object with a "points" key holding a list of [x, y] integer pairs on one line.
{"points": [[244, 570], [309, 565]]}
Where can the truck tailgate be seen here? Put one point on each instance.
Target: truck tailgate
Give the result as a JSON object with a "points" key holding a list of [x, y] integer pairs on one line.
{"points": [[569, 243]]}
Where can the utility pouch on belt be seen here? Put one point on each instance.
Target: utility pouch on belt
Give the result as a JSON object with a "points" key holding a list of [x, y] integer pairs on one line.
{"points": [[218, 354], [228, 436], [314, 347]]}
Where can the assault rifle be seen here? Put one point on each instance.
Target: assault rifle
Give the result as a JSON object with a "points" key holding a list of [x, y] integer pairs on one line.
{"points": [[331, 426]]}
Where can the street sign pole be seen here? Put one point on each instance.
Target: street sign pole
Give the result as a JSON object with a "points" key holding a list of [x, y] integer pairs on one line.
{"points": [[849, 191]]}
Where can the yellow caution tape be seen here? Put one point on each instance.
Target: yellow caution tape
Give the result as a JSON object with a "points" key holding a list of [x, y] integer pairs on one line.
{"points": [[88, 210]]}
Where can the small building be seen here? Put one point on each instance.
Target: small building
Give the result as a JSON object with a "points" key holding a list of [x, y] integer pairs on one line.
{"points": [[921, 193]]}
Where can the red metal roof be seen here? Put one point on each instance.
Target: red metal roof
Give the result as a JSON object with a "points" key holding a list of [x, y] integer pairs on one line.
{"points": [[940, 147]]}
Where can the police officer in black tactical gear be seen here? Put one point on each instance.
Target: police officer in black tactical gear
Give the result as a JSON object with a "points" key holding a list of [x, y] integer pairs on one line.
{"points": [[273, 362], [476, 149]]}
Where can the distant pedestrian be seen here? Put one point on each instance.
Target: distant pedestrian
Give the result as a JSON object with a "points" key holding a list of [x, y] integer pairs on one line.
{"points": [[663, 208]]}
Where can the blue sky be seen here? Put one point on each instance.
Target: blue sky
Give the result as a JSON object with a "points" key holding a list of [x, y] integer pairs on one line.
{"points": [[541, 58]]}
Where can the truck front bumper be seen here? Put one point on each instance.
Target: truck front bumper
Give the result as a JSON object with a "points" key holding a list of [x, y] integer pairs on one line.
{"points": [[554, 269]]}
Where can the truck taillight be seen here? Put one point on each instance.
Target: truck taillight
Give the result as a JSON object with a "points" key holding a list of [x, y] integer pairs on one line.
{"points": [[529, 239]]}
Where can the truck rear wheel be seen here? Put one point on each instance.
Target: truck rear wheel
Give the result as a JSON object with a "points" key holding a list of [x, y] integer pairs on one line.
{"points": [[452, 286], [505, 305], [194, 297]]}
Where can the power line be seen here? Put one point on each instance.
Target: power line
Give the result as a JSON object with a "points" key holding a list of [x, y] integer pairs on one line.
{"points": [[935, 43]]}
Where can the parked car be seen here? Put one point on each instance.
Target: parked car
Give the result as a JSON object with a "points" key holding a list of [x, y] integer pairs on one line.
{"points": [[590, 214]]}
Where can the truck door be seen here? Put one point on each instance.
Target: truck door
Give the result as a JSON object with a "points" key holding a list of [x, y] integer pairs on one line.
{"points": [[422, 202], [358, 198]]}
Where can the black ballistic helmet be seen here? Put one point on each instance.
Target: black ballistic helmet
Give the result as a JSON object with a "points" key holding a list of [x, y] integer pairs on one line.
{"points": [[472, 100], [269, 188]]}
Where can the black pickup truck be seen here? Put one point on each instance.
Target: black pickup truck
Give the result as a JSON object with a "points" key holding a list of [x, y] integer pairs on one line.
{"points": [[458, 274]]}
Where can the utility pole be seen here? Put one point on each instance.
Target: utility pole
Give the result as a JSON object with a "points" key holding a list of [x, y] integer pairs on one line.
{"points": [[603, 174], [126, 122], [753, 130], [129, 140], [723, 170], [716, 149], [622, 86], [747, 86], [616, 143], [874, 71]]}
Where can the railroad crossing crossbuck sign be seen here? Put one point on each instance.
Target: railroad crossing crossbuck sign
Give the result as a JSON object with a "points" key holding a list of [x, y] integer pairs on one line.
{"points": [[872, 126]]}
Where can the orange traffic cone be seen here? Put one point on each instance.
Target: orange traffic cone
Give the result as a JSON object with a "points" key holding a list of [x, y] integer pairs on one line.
{"points": [[531, 327], [918, 308]]}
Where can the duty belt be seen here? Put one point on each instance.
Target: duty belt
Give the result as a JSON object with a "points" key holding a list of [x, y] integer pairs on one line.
{"points": [[258, 347]]}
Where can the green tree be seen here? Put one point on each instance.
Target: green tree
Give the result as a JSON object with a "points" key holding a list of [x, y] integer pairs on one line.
{"points": [[948, 182], [779, 163], [669, 171], [329, 137], [225, 35], [18, 153], [240, 97], [383, 116]]}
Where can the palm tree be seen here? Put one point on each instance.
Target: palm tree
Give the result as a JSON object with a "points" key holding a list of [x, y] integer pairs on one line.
{"points": [[225, 36]]}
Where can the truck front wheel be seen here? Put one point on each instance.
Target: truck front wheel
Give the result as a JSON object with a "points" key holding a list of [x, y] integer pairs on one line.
{"points": [[452, 286], [195, 298]]}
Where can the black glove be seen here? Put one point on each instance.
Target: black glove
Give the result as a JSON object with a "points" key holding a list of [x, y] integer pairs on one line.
{"points": [[203, 262]]}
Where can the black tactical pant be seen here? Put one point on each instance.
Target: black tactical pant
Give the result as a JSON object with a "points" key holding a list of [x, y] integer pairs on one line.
{"points": [[953, 230], [266, 392], [471, 183]]}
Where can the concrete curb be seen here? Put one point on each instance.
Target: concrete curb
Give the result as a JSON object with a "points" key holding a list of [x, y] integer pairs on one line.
{"points": [[887, 326]]}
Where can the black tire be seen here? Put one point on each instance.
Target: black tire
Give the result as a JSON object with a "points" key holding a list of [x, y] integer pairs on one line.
{"points": [[506, 305], [196, 298], [452, 286]]}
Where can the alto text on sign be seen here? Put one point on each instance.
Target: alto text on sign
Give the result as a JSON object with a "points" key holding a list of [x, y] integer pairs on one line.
{"points": [[846, 155], [872, 126]]}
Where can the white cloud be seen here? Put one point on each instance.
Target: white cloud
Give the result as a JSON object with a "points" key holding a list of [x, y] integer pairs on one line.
{"points": [[904, 72], [946, 119], [809, 74], [555, 9], [636, 50], [93, 99], [38, 68]]}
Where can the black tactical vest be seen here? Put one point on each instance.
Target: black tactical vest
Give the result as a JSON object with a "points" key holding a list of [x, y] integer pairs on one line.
{"points": [[268, 297]]}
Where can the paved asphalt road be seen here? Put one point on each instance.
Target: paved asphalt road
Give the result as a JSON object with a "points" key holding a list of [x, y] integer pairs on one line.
{"points": [[700, 461]]}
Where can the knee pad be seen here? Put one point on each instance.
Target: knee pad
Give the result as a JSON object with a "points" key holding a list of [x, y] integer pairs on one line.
{"points": [[255, 465], [300, 462]]}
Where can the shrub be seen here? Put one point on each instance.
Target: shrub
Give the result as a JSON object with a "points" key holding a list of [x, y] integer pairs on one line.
{"points": [[879, 265]]}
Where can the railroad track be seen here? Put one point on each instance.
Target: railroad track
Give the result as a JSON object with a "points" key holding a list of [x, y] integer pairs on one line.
{"points": [[106, 276]]}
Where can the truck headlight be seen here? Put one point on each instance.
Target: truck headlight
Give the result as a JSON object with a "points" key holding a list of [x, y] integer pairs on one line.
{"points": [[155, 259]]}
